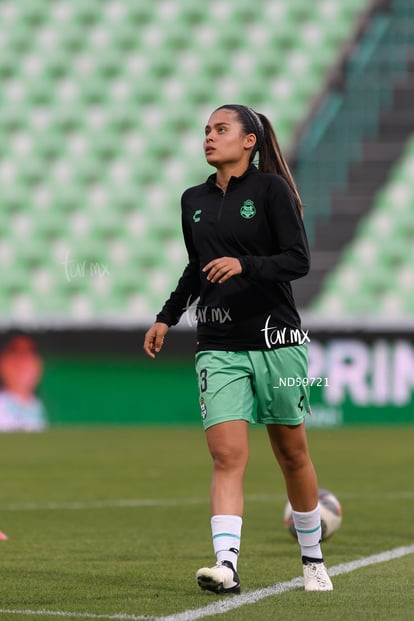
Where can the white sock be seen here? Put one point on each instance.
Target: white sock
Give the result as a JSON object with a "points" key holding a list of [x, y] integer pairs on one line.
{"points": [[308, 528], [226, 532]]}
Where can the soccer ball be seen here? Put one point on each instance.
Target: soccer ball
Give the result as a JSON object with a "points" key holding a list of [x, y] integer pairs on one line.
{"points": [[331, 514]]}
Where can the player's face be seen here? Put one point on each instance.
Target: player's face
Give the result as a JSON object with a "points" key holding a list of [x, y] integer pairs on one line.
{"points": [[225, 142], [20, 368]]}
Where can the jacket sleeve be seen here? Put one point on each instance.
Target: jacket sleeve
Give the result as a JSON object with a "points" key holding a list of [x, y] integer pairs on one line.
{"points": [[291, 259], [188, 287]]}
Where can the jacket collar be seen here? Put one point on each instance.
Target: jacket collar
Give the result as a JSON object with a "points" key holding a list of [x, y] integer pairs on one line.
{"points": [[211, 180]]}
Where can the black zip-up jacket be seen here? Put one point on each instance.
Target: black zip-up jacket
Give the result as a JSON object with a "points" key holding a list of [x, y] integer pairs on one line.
{"points": [[257, 221]]}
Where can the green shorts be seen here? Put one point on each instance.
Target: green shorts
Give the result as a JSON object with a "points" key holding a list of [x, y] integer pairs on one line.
{"points": [[268, 387]]}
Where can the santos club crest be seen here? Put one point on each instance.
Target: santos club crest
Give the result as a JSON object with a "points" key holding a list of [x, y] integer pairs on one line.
{"points": [[248, 210]]}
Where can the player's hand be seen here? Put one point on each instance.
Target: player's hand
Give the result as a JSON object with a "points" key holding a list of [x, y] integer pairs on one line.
{"points": [[220, 270], [154, 339]]}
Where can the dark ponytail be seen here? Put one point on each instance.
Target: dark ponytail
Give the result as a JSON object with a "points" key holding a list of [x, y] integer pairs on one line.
{"points": [[271, 159]]}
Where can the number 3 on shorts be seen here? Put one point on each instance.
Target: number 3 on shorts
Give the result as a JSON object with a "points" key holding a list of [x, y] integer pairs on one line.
{"points": [[203, 380]]}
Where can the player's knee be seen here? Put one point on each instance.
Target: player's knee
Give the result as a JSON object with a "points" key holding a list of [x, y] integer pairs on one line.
{"points": [[293, 460], [229, 458]]}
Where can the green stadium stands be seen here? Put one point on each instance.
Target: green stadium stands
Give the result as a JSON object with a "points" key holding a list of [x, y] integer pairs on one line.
{"points": [[351, 112], [101, 113], [375, 274]]}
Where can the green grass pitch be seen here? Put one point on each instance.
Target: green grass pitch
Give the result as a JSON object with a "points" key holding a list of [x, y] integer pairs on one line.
{"points": [[115, 521]]}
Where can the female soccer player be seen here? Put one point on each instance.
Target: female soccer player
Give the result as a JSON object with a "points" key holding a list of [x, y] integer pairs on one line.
{"points": [[245, 239]]}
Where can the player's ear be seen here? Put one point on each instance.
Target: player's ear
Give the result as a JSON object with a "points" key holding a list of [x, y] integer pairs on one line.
{"points": [[249, 141]]}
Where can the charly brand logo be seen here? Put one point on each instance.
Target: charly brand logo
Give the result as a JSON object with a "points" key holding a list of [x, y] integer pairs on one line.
{"points": [[284, 336], [248, 210], [196, 216]]}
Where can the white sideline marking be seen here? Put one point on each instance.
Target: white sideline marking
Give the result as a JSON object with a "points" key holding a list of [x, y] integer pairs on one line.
{"points": [[77, 615], [282, 587], [104, 504], [224, 605], [80, 505], [126, 502]]}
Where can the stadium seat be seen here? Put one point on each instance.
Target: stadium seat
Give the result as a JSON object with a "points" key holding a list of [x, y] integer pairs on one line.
{"points": [[102, 109], [384, 246]]}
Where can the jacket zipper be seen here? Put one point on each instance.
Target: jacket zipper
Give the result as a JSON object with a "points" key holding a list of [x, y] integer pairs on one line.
{"points": [[221, 205]]}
